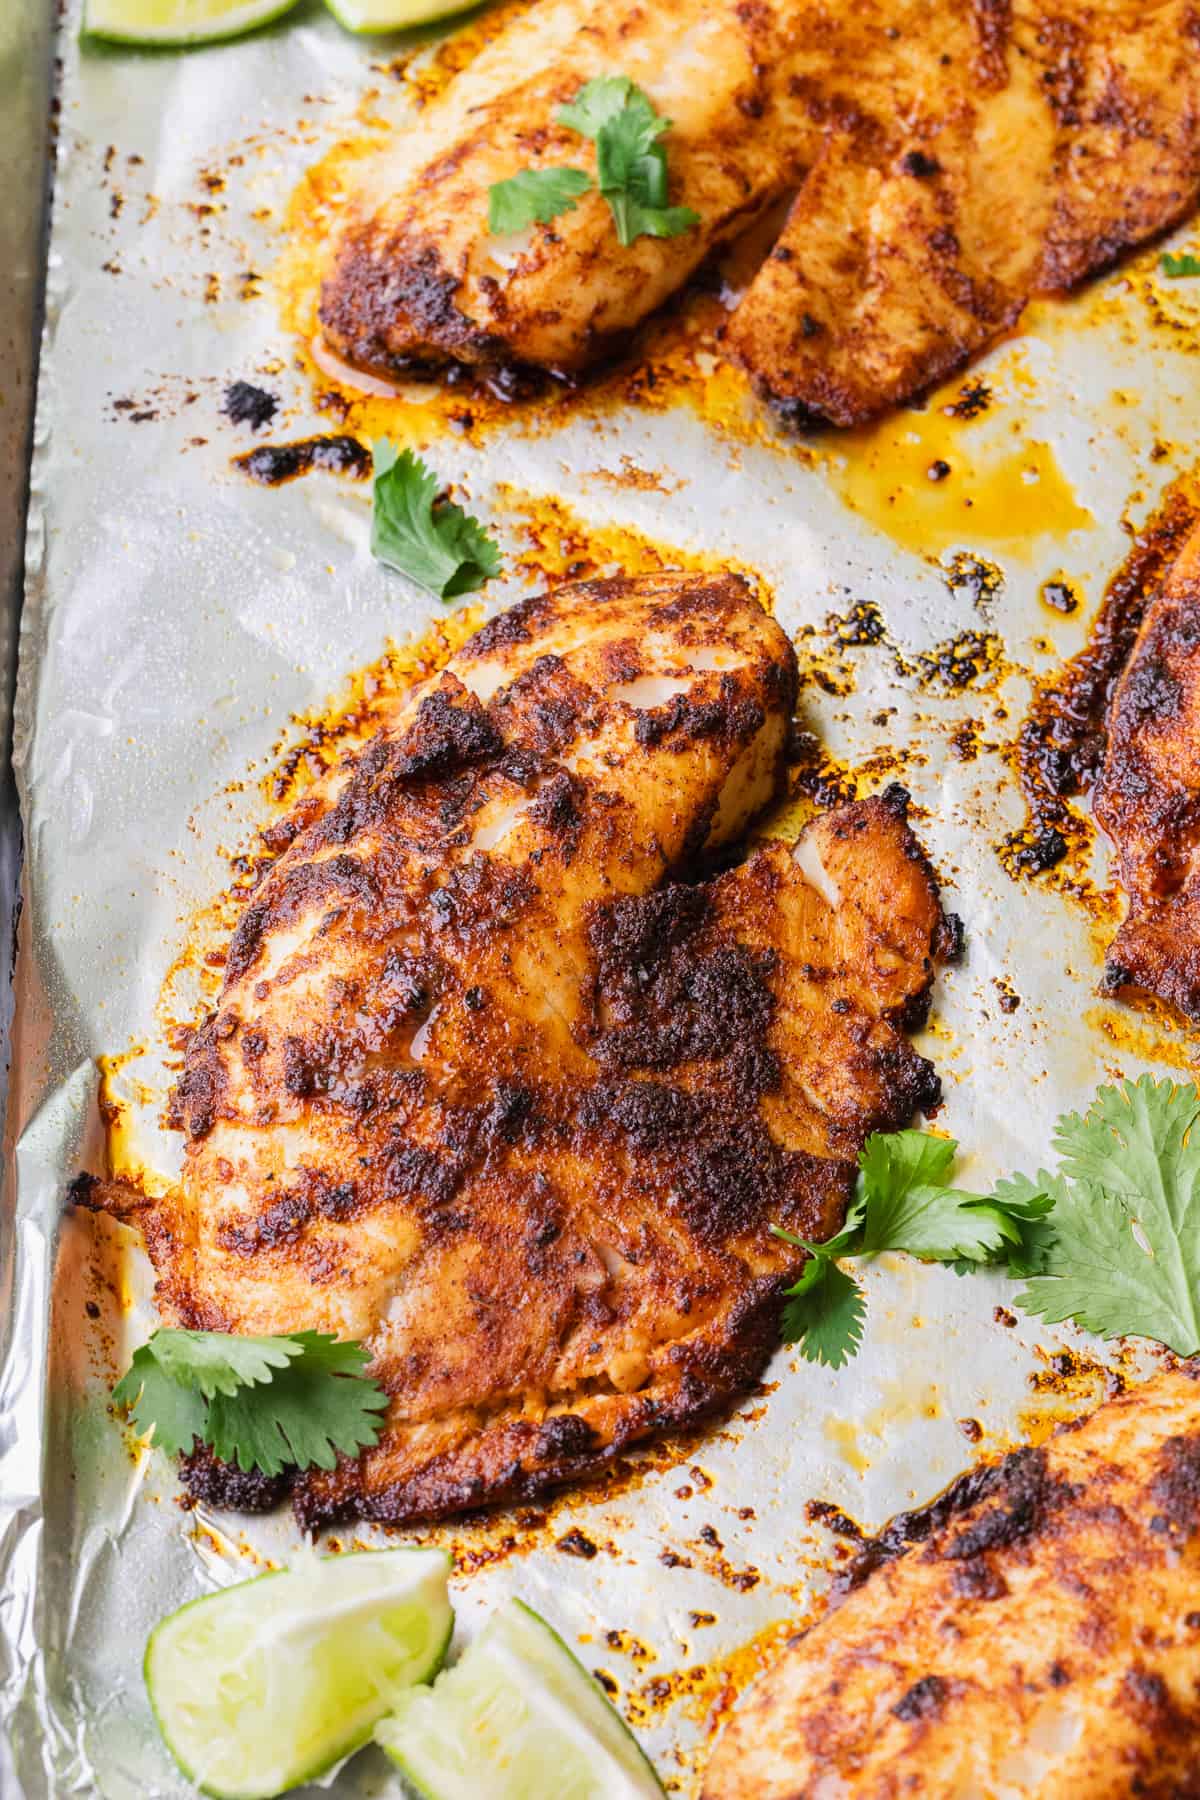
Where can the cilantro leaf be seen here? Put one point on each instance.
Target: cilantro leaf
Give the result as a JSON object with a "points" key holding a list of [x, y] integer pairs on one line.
{"points": [[909, 1205], [264, 1402], [631, 163], [336, 1356], [1125, 1258], [217, 1362], [824, 1314], [438, 546], [639, 208], [1135, 1140], [1176, 266], [534, 195], [631, 167], [1111, 1240], [308, 1416], [598, 102], [160, 1406], [1027, 1204], [628, 136], [903, 1201]]}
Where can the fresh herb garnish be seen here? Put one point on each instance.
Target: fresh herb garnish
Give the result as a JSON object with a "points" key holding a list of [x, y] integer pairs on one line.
{"points": [[631, 160], [1111, 1241], [1125, 1255], [436, 544], [534, 195], [598, 103], [266, 1403], [631, 168], [825, 1312], [903, 1201], [1183, 264]]}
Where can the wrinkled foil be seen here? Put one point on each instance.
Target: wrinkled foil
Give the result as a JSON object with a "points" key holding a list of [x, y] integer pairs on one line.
{"points": [[176, 618]]}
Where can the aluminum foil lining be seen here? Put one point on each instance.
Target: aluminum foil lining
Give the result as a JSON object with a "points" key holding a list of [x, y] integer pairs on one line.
{"points": [[178, 616]]}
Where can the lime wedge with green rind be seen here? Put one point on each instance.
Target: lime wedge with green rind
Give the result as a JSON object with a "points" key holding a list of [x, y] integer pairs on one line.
{"points": [[394, 15], [516, 1718], [169, 24], [272, 1681]]}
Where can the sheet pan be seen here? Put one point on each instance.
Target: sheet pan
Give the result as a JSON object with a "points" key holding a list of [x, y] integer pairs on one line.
{"points": [[179, 618], [25, 127]]}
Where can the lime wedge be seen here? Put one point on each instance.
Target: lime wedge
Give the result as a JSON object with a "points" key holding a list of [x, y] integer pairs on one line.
{"points": [[394, 15], [270, 1682], [516, 1718], [177, 22]]}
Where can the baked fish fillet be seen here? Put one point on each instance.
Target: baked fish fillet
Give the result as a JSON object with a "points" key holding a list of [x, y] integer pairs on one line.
{"points": [[1039, 1636], [947, 158], [489, 1091], [1148, 794]]}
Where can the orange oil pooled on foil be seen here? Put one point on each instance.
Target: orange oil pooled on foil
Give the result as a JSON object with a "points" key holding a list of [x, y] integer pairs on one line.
{"points": [[935, 482]]}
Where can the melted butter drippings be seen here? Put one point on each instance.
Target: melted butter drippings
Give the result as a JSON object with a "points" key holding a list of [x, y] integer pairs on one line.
{"points": [[119, 1093], [935, 483]]}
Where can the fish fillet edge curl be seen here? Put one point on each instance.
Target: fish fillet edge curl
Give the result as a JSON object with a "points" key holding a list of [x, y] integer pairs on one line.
{"points": [[1148, 795], [493, 1090], [1039, 1633]]}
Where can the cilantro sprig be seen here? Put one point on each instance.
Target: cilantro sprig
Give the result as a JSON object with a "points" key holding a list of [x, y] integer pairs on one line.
{"points": [[1125, 1256], [904, 1201], [631, 168], [267, 1403], [631, 159], [1109, 1240], [1176, 266], [435, 543]]}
